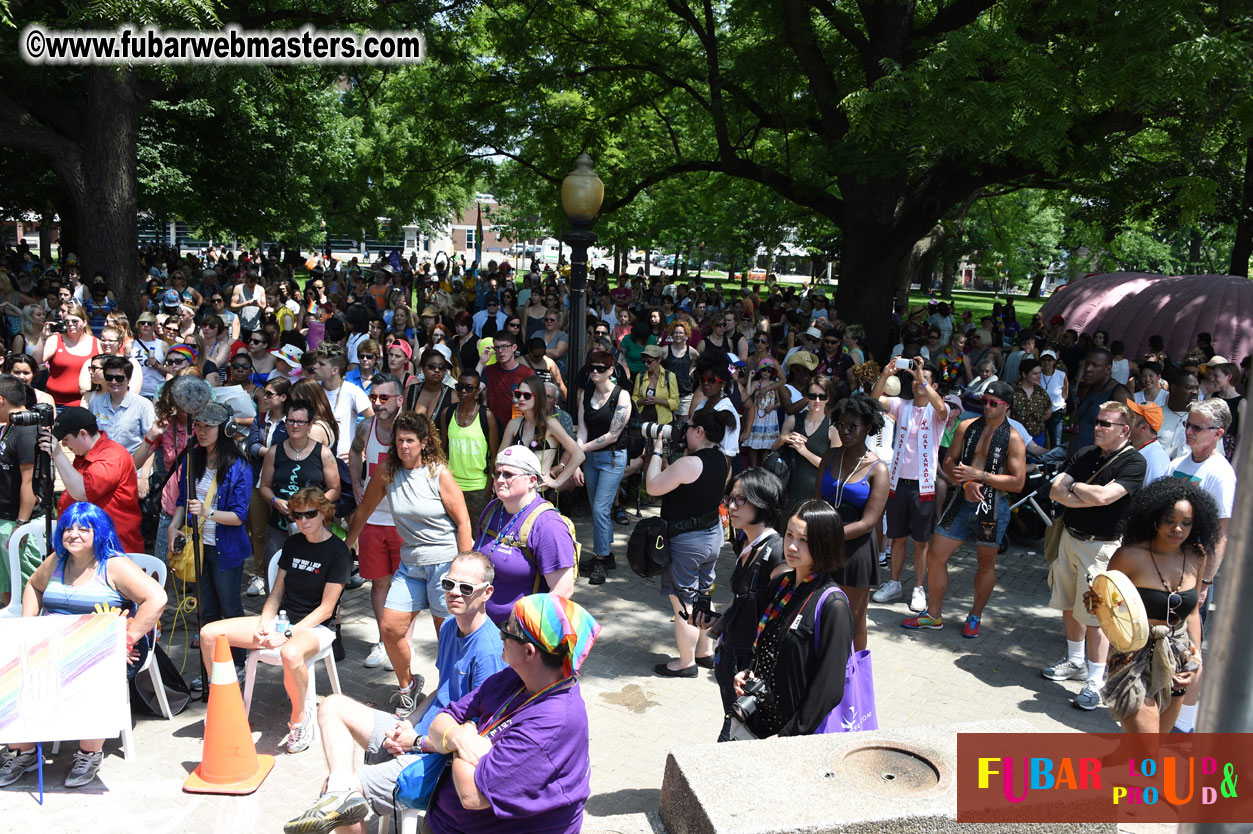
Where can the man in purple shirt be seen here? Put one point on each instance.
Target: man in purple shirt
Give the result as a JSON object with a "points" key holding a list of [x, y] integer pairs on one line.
{"points": [[521, 762]]}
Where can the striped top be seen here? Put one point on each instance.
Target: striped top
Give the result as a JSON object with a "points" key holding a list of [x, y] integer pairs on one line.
{"points": [[59, 598]]}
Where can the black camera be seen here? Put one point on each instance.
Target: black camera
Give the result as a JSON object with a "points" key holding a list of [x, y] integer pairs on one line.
{"points": [[180, 541], [41, 414], [56, 324], [755, 694], [673, 435], [703, 604]]}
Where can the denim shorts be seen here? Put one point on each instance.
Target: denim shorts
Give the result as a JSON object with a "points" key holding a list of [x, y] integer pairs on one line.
{"points": [[416, 587], [965, 526]]}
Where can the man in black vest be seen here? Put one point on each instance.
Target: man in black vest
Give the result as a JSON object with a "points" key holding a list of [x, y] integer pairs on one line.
{"points": [[987, 459]]}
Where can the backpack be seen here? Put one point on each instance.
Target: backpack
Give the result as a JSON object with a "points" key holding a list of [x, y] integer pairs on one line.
{"points": [[520, 539], [648, 549]]}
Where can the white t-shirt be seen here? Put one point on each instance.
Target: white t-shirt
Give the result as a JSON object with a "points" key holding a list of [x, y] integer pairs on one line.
{"points": [[1214, 475], [1157, 462], [152, 377], [1159, 400], [1172, 435], [347, 401]]}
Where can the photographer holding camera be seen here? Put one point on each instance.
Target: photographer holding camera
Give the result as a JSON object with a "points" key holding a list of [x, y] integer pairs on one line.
{"points": [[18, 500], [691, 491], [795, 680]]}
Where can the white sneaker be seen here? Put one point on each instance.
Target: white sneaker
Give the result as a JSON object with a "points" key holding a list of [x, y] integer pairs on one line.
{"points": [[889, 591], [377, 657], [256, 587], [1065, 670], [918, 601]]}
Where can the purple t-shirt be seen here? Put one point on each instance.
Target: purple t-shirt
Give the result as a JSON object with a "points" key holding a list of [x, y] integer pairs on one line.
{"points": [[550, 544], [536, 777]]}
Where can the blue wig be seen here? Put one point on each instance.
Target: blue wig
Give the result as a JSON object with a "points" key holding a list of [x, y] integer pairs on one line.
{"points": [[84, 514]]}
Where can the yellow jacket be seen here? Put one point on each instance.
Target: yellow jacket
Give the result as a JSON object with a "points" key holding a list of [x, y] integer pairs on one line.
{"points": [[666, 394]]}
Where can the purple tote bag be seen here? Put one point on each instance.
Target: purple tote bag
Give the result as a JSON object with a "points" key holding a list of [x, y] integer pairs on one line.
{"points": [[856, 711]]}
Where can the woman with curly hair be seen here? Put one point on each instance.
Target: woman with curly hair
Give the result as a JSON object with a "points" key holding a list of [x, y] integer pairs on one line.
{"points": [[431, 519], [1171, 528]]}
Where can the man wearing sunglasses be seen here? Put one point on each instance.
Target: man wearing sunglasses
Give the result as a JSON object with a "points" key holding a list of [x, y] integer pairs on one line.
{"points": [[1095, 486], [379, 552], [470, 651], [988, 459], [123, 416]]}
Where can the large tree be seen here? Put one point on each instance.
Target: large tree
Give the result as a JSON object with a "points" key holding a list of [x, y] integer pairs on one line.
{"points": [[879, 116]]}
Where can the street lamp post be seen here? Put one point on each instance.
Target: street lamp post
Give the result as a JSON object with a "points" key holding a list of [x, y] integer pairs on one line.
{"points": [[582, 192]]}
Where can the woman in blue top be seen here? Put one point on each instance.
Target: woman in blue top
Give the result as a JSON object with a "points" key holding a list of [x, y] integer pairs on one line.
{"points": [[855, 482], [81, 574], [217, 460]]}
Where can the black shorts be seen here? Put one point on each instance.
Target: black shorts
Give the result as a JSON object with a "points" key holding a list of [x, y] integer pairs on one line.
{"points": [[909, 516]]}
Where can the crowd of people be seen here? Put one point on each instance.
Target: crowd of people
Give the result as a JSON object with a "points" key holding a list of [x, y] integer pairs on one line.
{"points": [[432, 454]]}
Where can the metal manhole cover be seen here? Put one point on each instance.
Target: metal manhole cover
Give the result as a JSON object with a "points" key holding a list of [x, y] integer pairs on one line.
{"points": [[890, 771]]}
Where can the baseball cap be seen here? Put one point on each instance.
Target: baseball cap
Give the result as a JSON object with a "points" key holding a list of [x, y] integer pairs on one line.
{"points": [[1001, 390], [1049, 352], [213, 414], [169, 298], [654, 351], [813, 333], [1151, 412], [520, 458], [72, 420]]}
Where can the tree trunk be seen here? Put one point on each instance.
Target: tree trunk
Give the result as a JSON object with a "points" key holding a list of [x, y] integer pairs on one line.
{"points": [[949, 277], [45, 232], [1242, 247], [648, 263], [1036, 282], [870, 269], [617, 259]]}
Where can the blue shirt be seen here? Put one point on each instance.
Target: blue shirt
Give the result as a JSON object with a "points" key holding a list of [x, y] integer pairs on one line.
{"points": [[127, 423], [463, 663]]}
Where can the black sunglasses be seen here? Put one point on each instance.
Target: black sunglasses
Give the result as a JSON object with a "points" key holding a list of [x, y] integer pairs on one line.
{"points": [[307, 514], [115, 377], [818, 397], [598, 369], [466, 389], [506, 634]]}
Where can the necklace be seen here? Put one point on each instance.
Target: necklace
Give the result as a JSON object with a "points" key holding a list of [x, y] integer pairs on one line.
{"points": [[1182, 572], [302, 452], [841, 481]]}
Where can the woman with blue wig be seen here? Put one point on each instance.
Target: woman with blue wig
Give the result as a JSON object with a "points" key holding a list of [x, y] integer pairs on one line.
{"points": [[88, 569]]}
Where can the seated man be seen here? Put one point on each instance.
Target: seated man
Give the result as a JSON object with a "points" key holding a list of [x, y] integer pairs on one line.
{"points": [[469, 653], [521, 761]]}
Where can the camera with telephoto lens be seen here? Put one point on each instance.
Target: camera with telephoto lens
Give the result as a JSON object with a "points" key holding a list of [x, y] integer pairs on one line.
{"points": [[56, 324], [755, 694], [673, 435], [39, 415]]}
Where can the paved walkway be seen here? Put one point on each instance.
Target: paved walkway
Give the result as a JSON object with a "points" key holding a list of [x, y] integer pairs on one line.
{"points": [[636, 717]]}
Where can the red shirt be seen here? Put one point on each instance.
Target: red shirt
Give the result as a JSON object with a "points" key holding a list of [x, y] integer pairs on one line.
{"points": [[500, 387], [112, 484]]}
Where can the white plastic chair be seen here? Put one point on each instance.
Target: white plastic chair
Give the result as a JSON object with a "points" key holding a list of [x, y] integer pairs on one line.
{"points": [[155, 568], [410, 821], [34, 530], [272, 657]]}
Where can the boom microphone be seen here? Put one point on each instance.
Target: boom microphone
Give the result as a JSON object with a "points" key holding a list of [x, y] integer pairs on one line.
{"points": [[190, 394]]}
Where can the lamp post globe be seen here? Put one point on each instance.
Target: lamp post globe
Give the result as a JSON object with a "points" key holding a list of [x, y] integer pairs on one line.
{"points": [[582, 193]]}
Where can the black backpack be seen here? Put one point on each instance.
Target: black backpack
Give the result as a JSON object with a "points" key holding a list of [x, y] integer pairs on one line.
{"points": [[648, 550]]}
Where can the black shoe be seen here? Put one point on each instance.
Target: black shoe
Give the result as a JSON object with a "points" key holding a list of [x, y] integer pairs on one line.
{"points": [[597, 575], [611, 563], [666, 672], [706, 662], [354, 582]]}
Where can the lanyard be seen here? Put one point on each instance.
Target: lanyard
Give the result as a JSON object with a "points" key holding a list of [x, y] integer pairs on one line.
{"points": [[500, 716], [504, 532], [780, 602]]}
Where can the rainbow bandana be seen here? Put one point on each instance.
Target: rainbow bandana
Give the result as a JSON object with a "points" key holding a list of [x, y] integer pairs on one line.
{"points": [[187, 351], [558, 626]]}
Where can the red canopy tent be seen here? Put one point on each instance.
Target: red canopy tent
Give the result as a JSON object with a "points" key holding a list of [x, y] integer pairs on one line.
{"points": [[1132, 306]]}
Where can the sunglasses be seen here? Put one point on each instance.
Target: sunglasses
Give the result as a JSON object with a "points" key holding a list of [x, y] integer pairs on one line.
{"points": [[382, 398], [115, 377], [240, 367], [501, 475], [306, 514], [709, 380], [506, 634], [371, 356], [177, 360], [436, 367], [466, 389], [830, 341], [514, 325], [817, 397], [1106, 424], [648, 360], [465, 589], [598, 369], [1189, 426], [258, 341], [990, 402], [523, 396]]}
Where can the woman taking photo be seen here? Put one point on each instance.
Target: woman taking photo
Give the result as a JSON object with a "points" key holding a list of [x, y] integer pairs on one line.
{"points": [[66, 353], [1032, 406], [809, 435], [538, 430], [856, 482], [753, 501], [804, 675], [297, 462], [603, 414], [222, 482], [88, 569], [312, 572], [431, 520], [1172, 526], [680, 359], [691, 491]]}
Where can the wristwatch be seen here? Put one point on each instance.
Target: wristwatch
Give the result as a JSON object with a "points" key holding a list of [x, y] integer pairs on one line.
{"points": [[287, 634]]}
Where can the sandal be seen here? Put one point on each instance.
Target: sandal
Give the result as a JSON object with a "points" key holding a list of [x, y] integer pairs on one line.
{"points": [[620, 516]]}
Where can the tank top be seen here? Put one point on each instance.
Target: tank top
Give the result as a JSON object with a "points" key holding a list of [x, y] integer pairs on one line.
{"points": [[427, 535], [855, 494], [703, 495], [467, 452], [59, 598], [375, 455], [291, 476], [599, 419], [681, 367], [1156, 603], [64, 369]]}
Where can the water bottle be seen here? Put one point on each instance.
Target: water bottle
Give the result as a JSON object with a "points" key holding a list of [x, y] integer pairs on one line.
{"points": [[281, 625]]}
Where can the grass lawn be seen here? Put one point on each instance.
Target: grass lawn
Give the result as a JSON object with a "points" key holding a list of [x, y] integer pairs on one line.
{"points": [[980, 304]]}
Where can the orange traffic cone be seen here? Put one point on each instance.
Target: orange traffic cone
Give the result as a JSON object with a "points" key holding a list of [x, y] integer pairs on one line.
{"points": [[230, 763]]}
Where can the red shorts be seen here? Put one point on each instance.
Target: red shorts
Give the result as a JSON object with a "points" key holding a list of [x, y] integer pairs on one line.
{"points": [[378, 551]]}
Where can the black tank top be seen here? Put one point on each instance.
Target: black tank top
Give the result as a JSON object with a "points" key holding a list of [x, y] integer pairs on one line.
{"points": [[598, 420], [703, 495], [291, 476], [681, 367]]}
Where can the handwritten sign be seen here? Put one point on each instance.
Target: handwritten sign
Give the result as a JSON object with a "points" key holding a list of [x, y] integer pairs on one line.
{"points": [[62, 677]]}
